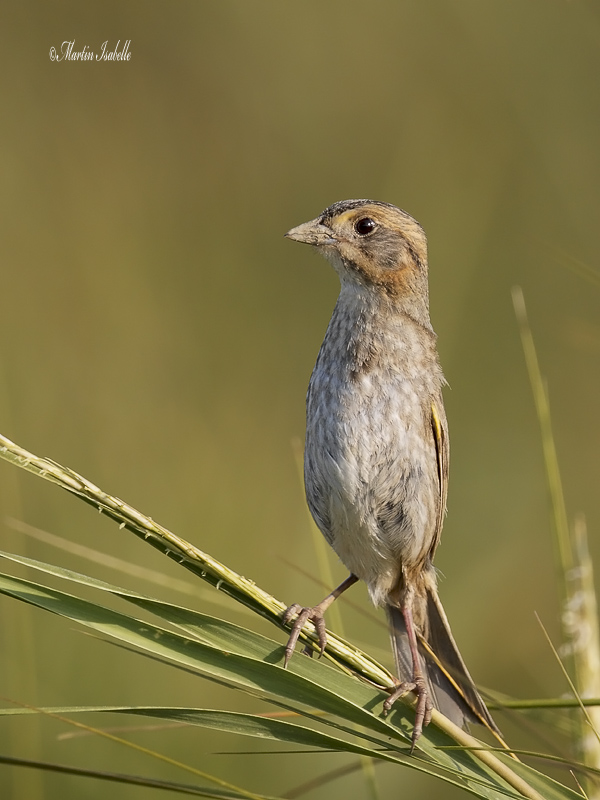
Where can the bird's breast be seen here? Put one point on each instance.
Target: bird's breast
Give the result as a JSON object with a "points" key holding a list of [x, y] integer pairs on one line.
{"points": [[370, 460]]}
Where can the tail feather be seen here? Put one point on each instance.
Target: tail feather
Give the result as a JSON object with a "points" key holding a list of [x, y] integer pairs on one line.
{"points": [[452, 689]]}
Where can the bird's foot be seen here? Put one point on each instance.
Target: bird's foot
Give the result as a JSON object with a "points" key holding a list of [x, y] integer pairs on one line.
{"points": [[423, 708], [315, 615]]}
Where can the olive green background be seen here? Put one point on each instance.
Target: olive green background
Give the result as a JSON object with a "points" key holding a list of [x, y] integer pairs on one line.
{"points": [[157, 332]]}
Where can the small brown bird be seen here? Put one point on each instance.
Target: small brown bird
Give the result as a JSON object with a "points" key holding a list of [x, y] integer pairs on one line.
{"points": [[376, 454]]}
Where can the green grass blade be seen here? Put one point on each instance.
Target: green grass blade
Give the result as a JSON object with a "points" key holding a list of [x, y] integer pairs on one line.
{"points": [[234, 722], [282, 731], [249, 674], [130, 780], [349, 699]]}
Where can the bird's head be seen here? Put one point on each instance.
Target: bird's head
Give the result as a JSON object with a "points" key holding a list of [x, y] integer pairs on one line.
{"points": [[372, 244]]}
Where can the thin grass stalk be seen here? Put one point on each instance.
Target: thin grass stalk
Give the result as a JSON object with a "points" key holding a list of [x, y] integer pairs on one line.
{"points": [[562, 538], [187, 555], [37, 767]]}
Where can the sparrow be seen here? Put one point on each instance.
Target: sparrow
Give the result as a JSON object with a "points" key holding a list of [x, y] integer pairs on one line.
{"points": [[376, 451]]}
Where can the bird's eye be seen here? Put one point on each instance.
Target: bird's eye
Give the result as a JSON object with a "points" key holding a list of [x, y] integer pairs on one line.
{"points": [[365, 226]]}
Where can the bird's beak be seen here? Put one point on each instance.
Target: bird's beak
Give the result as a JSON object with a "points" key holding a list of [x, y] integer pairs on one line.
{"points": [[312, 232]]}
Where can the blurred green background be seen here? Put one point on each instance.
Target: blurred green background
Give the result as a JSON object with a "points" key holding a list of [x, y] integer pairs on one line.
{"points": [[157, 331]]}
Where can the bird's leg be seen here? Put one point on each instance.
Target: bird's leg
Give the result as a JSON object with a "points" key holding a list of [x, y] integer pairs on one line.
{"points": [[315, 614], [417, 684]]}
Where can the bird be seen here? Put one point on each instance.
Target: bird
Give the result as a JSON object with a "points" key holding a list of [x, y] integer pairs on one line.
{"points": [[376, 450]]}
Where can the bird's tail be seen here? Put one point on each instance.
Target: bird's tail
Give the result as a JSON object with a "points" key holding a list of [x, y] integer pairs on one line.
{"points": [[451, 687]]}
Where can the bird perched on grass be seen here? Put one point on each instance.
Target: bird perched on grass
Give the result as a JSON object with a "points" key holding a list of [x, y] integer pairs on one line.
{"points": [[376, 455]]}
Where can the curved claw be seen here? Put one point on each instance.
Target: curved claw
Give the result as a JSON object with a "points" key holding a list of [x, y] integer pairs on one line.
{"points": [[314, 614], [423, 709]]}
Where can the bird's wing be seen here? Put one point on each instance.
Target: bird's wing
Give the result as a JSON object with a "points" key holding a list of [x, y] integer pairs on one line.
{"points": [[440, 438]]}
